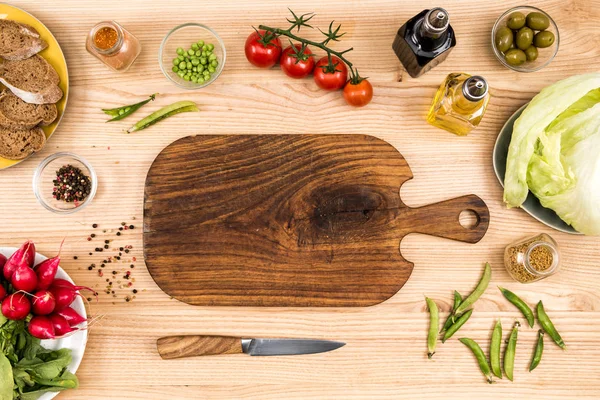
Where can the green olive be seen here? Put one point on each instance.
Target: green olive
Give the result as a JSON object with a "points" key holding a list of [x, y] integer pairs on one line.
{"points": [[543, 39], [515, 57], [532, 53], [537, 21], [524, 38], [516, 21], [504, 39]]}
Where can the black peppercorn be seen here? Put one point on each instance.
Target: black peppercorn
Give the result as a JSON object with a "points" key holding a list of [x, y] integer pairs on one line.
{"points": [[118, 233], [94, 226], [93, 235], [131, 227], [74, 257]]}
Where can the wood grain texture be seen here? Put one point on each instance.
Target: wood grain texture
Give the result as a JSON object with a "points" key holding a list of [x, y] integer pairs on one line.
{"points": [[171, 347], [287, 220], [385, 355]]}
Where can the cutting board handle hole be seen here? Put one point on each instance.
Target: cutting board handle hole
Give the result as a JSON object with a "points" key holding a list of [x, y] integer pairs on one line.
{"points": [[469, 219]]}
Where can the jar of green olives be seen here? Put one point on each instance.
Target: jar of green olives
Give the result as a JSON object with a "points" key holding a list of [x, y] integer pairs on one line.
{"points": [[525, 39]]}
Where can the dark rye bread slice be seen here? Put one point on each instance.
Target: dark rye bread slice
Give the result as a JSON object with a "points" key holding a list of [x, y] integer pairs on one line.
{"points": [[18, 144], [19, 41], [34, 80], [16, 114]]}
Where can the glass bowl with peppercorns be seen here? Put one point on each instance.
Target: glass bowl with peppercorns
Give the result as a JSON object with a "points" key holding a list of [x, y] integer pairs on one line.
{"points": [[64, 183]]}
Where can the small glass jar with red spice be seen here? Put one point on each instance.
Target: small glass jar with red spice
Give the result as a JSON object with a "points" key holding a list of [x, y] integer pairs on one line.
{"points": [[114, 45]]}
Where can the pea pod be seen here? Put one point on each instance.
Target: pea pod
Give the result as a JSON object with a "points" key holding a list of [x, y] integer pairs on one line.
{"points": [[495, 349], [165, 112], [451, 317], [537, 353], [481, 360], [433, 326], [479, 289], [509, 353], [125, 111], [520, 304], [457, 325], [548, 326]]}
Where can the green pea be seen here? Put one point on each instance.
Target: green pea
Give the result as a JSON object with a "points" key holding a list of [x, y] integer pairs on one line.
{"points": [[211, 69], [188, 65], [212, 57], [214, 63], [200, 43], [195, 62], [544, 39], [186, 78], [532, 53], [182, 65], [121, 111], [181, 58], [537, 21], [516, 21], [175, 69], [198, 53], [515, 57], [200, 68], [200, 80], [208, 53], [211, 47], [195, 46], [524, 38], [203, 60], [194, 69], [176, 61], [204, 47], [433, 327], [504, 39], [477, 292], [181, 74], [180, 51], [204, 54], [194, 79]]}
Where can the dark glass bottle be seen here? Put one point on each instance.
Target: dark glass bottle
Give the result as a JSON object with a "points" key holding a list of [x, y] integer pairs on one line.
{"points": [[424, 41]]}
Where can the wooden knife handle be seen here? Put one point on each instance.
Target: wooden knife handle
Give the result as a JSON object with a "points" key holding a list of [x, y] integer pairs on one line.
{"points": [[170, 347]]}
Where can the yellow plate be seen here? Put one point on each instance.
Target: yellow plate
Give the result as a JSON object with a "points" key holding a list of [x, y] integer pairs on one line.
{"points": [[53, 54]]}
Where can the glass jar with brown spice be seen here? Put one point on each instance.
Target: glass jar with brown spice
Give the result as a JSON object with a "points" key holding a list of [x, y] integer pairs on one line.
{"points": [[532, 259], [114, 45]]}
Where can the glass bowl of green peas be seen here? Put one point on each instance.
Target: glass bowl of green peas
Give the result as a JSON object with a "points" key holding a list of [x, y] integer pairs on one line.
{"points": [[192, 56]]}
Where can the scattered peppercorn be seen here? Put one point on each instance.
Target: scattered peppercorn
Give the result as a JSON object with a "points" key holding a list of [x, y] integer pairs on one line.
{"points": [[123, 223], [107, 241], [90, 267], [120, 249], [93, 235], [74, 257], [127, 251], [134, 291], [106, 246], [131, 227], [118, 233], [94, 226]]}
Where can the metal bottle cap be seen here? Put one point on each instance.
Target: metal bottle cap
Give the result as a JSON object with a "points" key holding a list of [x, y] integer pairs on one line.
{"points": [[436, 21], [475, 88]]}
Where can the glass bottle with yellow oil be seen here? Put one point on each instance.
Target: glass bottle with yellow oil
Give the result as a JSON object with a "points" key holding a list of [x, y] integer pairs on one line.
{"points": [[459, 104]]}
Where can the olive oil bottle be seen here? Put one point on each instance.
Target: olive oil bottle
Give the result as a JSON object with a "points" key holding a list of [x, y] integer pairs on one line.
{"points": [[459, 104]]}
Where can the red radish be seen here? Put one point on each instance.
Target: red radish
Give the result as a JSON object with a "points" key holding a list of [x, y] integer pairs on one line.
{"points": [[46, 271], [16, 306], [2, 292], [63, 296], [63, 283], [60, 325], [41, 327], [72, 317], [2, 261], [22, 257], [43, 302], [24, 278]]}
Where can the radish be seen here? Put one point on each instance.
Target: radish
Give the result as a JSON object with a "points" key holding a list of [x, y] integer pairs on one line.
{"points": [[63, 297], [43, 302], [24, 278], [2, 292], [16, 306], [22, 257], [63, 283], [2, 261], [41, 327], [46, 271], [72, 317], [60, 325]]}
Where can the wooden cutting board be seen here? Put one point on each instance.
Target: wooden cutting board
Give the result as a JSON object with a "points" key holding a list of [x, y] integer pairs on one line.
{"points": [[287, 220]]}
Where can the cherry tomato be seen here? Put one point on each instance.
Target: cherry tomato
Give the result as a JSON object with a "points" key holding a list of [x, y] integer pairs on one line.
{"points": [[330, 79], [358, 94], [297, 63], [262, 49]]}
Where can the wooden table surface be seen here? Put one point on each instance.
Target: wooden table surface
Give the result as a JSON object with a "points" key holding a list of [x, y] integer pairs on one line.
{"points": [[386, 344]]}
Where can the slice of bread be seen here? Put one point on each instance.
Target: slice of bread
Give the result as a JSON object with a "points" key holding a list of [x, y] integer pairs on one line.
{"points": [[34, 80], [16, 114], [18, 144], [19, 41]]}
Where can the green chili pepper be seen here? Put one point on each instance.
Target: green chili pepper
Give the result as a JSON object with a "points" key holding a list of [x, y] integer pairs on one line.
{"points": [[125, 111], [509, 353], [433, 327], [548, 326], [479, 289], [451, 317], [520, 304], [539, 349], [457, 325], [495, 349], [481, 360], [165, 112]]}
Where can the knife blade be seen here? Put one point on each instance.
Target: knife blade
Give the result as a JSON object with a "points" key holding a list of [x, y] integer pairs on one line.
{"points": [[171, 347]]}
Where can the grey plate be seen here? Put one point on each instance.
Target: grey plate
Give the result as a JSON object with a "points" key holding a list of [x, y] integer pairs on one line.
{"points": [[531, 205]]}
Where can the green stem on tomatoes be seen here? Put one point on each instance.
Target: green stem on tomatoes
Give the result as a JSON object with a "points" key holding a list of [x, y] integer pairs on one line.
{"points": [[288, 33]]}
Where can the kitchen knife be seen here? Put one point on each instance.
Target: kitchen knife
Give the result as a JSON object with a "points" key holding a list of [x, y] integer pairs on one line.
{"points": [[170, 347]]}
